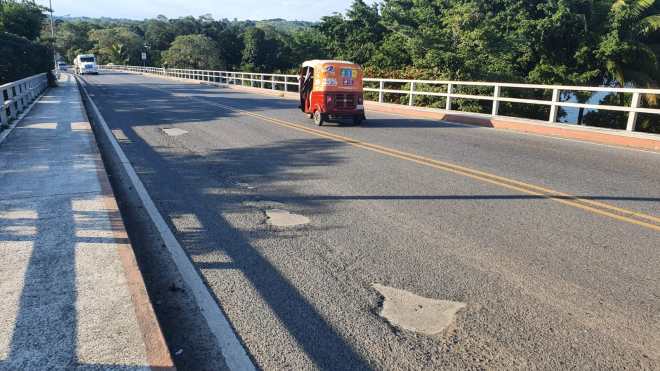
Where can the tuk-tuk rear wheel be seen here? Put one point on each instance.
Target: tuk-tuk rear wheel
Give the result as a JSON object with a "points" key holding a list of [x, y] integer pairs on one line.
{"points": [[319, 118]]}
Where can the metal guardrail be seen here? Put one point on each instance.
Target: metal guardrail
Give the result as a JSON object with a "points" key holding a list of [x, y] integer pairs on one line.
{"points": [[17, 96], [496, 96]]}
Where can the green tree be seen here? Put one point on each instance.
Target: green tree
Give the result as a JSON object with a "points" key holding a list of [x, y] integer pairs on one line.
{"points": [[72, 38], [108, 42], [356, 36], [630, 48], [193, 51], [22, 18], [158, 33], [230, 43], [254, 51]]}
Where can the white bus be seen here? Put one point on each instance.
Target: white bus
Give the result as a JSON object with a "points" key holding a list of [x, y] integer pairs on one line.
{"points": [[85, 63]]}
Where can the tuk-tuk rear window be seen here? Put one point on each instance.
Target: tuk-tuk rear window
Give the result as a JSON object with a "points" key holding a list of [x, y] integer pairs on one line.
{"points": [[87, 59]]}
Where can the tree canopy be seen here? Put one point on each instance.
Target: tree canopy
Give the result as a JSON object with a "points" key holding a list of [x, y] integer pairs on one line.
{"points": [[23, 52], [193, 51], [569, 42]]}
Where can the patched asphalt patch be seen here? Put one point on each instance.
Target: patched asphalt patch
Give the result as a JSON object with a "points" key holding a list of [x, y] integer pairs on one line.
{"points": [[411, 312], [174, 132], [283, 218]]}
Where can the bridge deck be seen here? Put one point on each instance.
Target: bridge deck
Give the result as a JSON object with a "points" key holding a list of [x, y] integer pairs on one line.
{"points": [[72, 294], [552, 244]]}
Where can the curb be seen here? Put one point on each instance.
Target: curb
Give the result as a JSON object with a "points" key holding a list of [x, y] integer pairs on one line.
{"points": [[157, 352], [230, 346]]}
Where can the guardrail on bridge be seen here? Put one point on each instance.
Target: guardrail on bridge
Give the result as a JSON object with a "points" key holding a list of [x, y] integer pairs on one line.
{"points": [[449, 90], [17, 96]]}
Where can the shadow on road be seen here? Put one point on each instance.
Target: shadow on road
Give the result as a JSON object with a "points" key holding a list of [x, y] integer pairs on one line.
{"points": [[203, 187]]}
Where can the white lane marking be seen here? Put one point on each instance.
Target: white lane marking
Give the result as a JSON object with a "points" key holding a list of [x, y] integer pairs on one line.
{"points": [[174, 132], [411, 312], [235, 355]]}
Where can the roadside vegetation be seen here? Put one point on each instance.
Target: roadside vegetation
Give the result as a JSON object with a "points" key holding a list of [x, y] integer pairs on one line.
{"points": [[23, 50], [568, 42]]}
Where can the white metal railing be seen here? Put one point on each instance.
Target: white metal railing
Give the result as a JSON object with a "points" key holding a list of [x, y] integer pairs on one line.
{"points": [[448, 90], [17, 96]]}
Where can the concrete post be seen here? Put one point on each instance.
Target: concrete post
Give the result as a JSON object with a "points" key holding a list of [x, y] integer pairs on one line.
{"points": [[3, 111], [553, 108], [632, 115], [19, 97], [381, 93], [448, 101], [496, 102], [411, 98]]}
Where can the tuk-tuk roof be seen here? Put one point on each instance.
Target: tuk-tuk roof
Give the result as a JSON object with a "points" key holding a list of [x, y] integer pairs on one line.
{"points": [[317, 62]]}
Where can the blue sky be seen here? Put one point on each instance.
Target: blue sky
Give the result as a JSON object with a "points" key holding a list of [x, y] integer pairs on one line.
{"points": [[309, 10]]}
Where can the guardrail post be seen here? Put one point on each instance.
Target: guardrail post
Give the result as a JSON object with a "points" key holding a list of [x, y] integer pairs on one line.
{"points": [[632, 115], [263, 83], [448, 101], [553, 108], [381, 93], [272, 83], [496, 102], [411, 99]]}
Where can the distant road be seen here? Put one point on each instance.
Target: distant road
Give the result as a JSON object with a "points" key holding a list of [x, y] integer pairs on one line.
{"points": [[554, 245]]}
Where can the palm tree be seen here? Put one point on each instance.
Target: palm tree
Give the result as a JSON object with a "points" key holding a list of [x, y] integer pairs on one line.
{"points": [[117, 53], [631, 48]]}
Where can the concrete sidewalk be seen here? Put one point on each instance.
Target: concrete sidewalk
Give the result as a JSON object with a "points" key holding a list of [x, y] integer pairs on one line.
{"points": [[72, 294]]}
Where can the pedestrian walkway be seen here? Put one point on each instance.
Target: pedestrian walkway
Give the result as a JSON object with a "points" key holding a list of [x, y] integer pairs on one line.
{"points": [[72, 294]]}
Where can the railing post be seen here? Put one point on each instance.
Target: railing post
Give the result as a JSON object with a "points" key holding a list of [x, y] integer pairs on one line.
{"points": [[448, 101], [3, 111], [381, 93], [263, 83], [411, 99], [19, 97], [11, 95], [496, 102], [272, 83], [553, 108], [632, 115]]}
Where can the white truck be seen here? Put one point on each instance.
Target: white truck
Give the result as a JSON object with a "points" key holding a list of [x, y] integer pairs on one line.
{"points": [[85, 63]]}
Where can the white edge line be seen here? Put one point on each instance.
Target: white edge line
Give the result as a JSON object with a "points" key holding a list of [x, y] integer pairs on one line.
{"points": [[5, 133], [235, 355]]}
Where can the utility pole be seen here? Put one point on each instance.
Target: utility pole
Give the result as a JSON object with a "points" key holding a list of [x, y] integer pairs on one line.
{"points": [[52, 32]]}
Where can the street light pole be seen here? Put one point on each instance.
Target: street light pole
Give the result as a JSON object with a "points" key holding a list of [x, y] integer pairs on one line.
{"points": [[52, 32]]}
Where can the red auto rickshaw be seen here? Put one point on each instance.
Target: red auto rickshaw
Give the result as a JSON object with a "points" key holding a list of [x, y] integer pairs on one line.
{"points": [[331, 89]]}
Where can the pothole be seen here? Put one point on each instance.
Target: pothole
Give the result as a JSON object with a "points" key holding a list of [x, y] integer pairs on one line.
{"points": [[415, 313], [174, 132], [283, 218]]}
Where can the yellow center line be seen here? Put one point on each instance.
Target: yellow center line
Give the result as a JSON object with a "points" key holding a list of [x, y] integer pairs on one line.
{"points": [[595, 207]]}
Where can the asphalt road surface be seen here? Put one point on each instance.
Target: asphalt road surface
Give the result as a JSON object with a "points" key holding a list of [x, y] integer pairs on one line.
{"points": [[566, 276]]}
